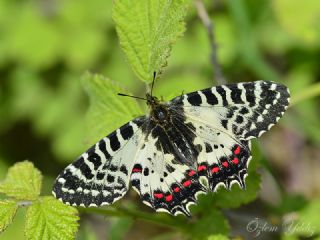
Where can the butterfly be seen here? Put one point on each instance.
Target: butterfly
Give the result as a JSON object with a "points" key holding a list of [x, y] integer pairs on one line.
{"points": [[188, 146]]}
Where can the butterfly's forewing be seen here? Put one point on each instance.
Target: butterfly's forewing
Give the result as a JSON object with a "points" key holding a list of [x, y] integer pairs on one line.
{"points": [[101, 175], [246, 110]]}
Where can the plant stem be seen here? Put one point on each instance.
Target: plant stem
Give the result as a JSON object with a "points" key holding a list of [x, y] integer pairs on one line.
{"points": [[204, 16]]}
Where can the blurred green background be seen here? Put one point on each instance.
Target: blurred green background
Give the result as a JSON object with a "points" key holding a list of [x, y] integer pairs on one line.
{"points": [[47, 45]]}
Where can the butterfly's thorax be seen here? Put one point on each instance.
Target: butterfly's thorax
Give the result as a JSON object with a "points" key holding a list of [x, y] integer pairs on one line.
{"points": [[159, 112], [165, 126]]}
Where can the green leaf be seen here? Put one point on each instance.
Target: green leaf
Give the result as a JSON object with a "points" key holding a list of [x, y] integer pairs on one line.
{"points": [[217, 237], [23, 181], [108, 111], [211, 222], [50, 219], [8, 210], [237, 196], [147, 30]]}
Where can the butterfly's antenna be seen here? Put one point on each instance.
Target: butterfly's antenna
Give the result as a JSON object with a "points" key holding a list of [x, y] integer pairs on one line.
{"points": [[154, 78], [126, 95]]}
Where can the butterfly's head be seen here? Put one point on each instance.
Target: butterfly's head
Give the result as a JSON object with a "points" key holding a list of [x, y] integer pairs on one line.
{"points": [[152, 101], [158, 111]]}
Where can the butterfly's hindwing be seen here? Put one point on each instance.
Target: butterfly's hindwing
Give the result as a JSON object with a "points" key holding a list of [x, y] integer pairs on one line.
{"points": [[102, 174], [222, 158], [162, 176]]}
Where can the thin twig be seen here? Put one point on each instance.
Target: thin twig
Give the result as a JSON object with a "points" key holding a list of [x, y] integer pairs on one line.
{"points": [[203, 15]]}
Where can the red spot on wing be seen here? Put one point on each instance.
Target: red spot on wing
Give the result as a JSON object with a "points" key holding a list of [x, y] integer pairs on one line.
{"points": [[186, 183], [225, 164], [237, 151], [235, 160], [176, 189], [158, 195], [215, 169], [201, 168], [137, 170], [169, 198], [191, 173]]}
